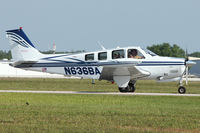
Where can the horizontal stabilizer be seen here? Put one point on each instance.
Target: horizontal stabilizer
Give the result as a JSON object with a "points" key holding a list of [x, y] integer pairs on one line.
{"points": [[23, 63]]}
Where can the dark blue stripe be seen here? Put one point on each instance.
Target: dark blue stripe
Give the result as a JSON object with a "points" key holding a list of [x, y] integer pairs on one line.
{"points": [[46, 58], [158, 64], [15, 37], [51, 59], [9, 33], [162, 62], [19, 39], [75, 59], [20, 43], [87, 64], [62, 61], [21, 33]]}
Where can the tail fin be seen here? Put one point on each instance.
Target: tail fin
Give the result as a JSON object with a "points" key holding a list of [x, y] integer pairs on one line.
{"points": [[22, 48]]}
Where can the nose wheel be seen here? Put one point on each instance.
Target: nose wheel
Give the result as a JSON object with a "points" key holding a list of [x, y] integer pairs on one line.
{"points": [[182, 90]]}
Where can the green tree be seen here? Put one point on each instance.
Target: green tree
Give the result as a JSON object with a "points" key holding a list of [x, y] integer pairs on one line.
{"points": [[5, 55], [195, 54], [165, 49], [177, 51]]}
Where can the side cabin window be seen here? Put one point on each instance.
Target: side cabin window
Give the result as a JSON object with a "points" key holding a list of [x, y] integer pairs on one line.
{"points": [[102, 56], [89, 57], [117, 54], [134, 53]]}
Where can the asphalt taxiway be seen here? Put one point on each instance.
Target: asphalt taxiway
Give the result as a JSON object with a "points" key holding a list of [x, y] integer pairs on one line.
{"points": [[97, 93]]}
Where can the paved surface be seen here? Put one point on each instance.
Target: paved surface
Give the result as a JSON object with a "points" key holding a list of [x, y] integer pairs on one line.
{"points": [[97, 93]]}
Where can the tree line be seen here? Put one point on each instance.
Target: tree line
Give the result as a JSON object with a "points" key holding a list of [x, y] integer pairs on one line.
{"points": [[164, 49]]}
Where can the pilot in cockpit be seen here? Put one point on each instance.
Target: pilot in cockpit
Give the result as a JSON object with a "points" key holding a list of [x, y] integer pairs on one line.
{"points": [[133, 53]]}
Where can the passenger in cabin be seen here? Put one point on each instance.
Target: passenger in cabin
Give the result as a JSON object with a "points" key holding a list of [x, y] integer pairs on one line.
{"points": [[134, 54], [116, 55]]}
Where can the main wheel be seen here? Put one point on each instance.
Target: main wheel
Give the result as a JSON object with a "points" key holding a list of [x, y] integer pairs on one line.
{"points": [[131, 87], [122, 89], [182, 90]]}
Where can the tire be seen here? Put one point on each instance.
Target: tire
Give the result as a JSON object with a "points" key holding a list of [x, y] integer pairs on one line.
{"points": [[182, 90], [131, 87], [122, 90]]}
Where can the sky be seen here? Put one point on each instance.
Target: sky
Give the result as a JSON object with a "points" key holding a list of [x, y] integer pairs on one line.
{"points": [[83, 24]]}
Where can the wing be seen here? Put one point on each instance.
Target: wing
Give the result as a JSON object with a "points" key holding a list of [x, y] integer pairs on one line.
{"points": [[135, 73], [123, 73]]}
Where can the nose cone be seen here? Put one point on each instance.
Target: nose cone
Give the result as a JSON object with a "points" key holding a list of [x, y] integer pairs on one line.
{"points": [[190, 63]]}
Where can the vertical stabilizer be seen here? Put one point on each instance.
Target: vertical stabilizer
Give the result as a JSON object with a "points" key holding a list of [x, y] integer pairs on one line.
{"points": [[22, 49]]}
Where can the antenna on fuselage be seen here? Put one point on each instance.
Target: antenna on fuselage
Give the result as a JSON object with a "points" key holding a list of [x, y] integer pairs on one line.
{"points": [[54, 48], [103, 48]]}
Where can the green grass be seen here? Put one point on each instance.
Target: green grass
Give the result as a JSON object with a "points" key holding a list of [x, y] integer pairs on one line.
{"points": [[98, 113], [85, 85]]}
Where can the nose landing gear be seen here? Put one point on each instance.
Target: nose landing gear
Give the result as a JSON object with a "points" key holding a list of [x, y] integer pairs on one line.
{"points": [[182, 90]]}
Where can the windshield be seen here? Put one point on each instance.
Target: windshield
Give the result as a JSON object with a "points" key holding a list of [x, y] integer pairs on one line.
{"points": [[150, 52]]}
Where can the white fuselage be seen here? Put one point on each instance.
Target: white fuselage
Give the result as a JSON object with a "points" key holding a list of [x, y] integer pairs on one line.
{"points": [[92, 64]]}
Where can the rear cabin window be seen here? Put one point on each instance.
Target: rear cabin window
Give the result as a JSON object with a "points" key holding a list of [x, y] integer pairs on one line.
{"points": [[89, 57], [117, 54], [102, 56]]}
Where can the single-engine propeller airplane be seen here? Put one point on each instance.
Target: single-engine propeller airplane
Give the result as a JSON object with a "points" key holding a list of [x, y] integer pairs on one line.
{"points": [[122, 65]]}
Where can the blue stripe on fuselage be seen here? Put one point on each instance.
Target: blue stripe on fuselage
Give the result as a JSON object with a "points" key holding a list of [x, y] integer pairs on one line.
{"points": [[157, 64], [66, 63], [162, 62]]}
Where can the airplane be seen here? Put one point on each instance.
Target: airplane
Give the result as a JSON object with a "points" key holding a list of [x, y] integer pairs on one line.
{"points": [[116, 65]]}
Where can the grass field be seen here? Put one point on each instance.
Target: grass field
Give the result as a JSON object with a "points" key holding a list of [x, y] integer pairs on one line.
{"points": [[85, 85], [96, 113]]}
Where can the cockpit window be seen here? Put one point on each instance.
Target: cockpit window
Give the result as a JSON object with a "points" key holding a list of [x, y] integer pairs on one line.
{"points": [[117, 54], [134, 53], [149, 52]]}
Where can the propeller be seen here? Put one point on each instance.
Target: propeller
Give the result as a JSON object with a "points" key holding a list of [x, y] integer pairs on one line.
{"points": [[186, 55], [186, 66], [188, 63], [186, 75]]}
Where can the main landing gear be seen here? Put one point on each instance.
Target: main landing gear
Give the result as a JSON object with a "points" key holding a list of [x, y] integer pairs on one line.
{"points": [[129, 88]]}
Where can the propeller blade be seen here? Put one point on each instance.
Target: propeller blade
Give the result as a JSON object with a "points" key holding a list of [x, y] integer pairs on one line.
{"points": [[186, 55], [187, 65], [186, 74]]}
